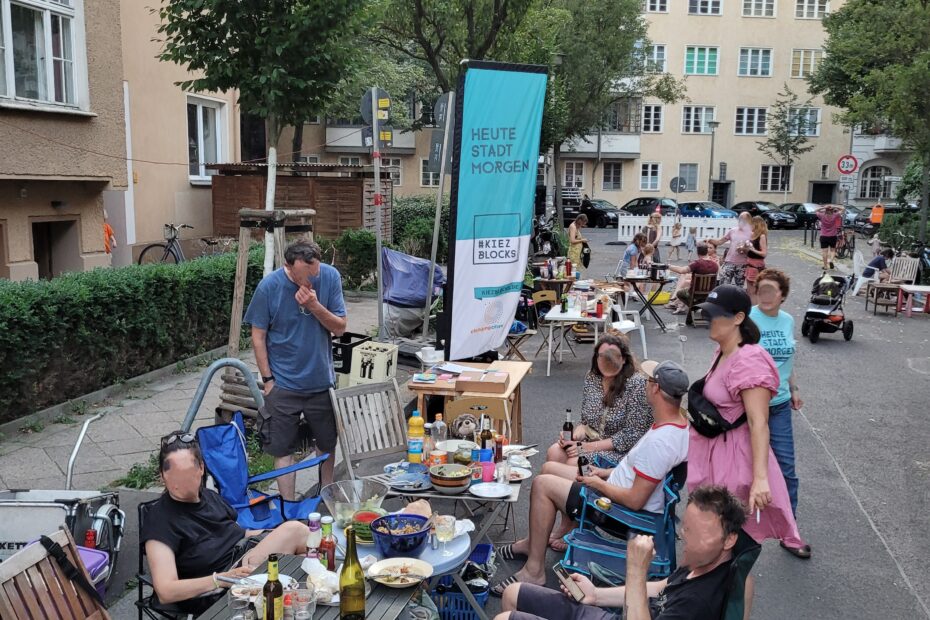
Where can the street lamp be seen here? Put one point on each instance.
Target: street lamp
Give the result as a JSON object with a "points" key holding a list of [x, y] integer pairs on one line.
{"points": [[710, 171]]}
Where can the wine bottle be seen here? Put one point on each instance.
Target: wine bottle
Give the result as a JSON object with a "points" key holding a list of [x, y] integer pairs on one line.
{"points": [[486, 439], [351, 583], [568, 428], [584, 463], [273, 592]]}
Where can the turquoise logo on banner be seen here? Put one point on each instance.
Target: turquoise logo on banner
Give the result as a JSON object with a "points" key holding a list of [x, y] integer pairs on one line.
{"points": [[496, 291]]}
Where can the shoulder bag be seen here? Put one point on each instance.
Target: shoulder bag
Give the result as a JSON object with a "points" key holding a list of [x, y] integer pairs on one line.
{"points": [[703, 414]]}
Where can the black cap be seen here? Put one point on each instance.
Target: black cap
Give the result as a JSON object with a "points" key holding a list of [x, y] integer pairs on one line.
{"points": [[726, 300]]}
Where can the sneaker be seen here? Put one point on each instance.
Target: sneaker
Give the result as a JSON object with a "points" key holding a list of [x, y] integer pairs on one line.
{"points": [[832, 266]]}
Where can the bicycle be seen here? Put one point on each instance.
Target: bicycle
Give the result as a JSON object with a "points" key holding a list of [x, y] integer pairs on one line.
{"points": [[846, 243], [172, 253]]}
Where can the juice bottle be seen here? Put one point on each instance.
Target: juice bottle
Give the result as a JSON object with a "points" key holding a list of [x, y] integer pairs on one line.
{"points": [[415, 438]]}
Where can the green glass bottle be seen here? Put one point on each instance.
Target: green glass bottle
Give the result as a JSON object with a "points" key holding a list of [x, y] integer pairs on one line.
{"points": [[351, 583]]}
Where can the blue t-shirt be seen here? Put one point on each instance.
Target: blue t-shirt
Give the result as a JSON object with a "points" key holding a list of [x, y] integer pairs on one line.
{"points": [[300, 350], [629, 260], [878, 263], [778, 340]]}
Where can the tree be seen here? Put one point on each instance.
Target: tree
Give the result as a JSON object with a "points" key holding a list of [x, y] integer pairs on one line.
{"points": [[911, 181], [285, 58], [788, 125], [881, 75]]}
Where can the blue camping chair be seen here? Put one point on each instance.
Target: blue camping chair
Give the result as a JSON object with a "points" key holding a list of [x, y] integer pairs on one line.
{"points": [[600, 537], [224, 455]]}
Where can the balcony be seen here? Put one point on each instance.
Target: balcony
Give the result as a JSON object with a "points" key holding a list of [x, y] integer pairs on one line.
{"points": [[348, 139], [613, 146], [888, 144]]}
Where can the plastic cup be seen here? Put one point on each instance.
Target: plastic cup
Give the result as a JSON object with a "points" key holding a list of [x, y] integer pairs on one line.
{"points": [[487, 471]]}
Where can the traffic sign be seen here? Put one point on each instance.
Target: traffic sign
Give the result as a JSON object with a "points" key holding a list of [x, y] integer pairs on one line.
{"points": [[891, 179], [847, 178], [847, 164], [678, 184], [846, 185], [384, 106], [386, 135]]}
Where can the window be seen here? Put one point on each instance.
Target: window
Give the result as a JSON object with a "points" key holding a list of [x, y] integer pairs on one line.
{"points": [[811, 9], [656, 6], [656, 61], [775, 178], [350, 161], [755, 62], [704, 7], [623, 116], [694, 118], [689, 172], [758, 8], [652, 118], [574, 174], [427, 178], [541, 174], [805, 62], [804, 121], [309, 159], [394, 164], [37, 51], [750, 121], [205, 139], [649, 176], [873, 184], [613, 176], [700, 60]]}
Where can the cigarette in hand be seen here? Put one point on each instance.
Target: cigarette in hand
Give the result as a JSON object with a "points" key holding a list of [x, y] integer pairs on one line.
{"points": [[758, 516]]}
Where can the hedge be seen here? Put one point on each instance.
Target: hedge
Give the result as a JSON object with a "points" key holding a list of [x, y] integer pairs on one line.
{"points": [[80, 332], [413, 219]]}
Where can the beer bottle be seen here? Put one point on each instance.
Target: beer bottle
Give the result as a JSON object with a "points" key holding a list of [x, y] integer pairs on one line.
{"points": [[273, 592], [351, 583], [486, 439], [584, 463], [568, 428]]}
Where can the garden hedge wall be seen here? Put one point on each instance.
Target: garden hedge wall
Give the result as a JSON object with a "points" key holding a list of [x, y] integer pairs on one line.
{"points": [[78, 333]]}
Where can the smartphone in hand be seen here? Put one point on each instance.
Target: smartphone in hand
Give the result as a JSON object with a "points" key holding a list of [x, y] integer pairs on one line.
{"points": [[569, 583]]}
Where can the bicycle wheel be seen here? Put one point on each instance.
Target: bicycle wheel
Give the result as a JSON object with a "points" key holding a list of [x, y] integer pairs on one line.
{"points": [[157, 253]]}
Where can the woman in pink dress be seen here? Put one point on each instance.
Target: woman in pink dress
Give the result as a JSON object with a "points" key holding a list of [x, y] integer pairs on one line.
{"points": [[743, 379]]}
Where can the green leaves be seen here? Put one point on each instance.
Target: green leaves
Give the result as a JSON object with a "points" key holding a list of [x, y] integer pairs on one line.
{"points": [[788, 127]]}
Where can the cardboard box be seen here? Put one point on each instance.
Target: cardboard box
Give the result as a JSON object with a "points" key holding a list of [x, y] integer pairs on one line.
{"points": [[373, 362], [491, 381], [342, 351]]}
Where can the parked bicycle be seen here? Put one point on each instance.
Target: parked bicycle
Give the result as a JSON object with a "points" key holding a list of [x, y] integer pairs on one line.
{"points": [[846, 243], [171, 251]]}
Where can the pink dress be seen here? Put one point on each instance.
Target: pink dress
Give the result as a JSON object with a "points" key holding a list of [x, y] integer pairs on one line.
{"points": [[726, 460]]}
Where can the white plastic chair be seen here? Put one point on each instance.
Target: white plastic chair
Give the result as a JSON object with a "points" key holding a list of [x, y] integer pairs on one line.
{"points": [[859, 266], [625, 326]]}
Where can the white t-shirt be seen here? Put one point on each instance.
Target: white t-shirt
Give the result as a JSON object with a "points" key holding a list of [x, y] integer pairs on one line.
{"points": [[654, 455]]}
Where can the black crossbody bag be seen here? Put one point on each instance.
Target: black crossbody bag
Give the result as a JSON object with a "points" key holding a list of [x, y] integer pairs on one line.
{"points": [[703, 414]]}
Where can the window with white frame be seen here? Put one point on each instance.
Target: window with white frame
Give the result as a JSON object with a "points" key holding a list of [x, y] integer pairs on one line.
{"points": [[41, 51], [309, 159], [804, 121], [704, 7], [206, 138], [655, 6], [623, 115], [758, 8], [750, 121], [574, 174], [652, 118], [755, 62], [394, 165], [650, 176], [873, 184], [689, 172], [613, 176], [350, 161], [540, 174], [700, 60], [805, 62], [695, 118], [775, 178], [656, 62], [811, 9], [427, 178]]}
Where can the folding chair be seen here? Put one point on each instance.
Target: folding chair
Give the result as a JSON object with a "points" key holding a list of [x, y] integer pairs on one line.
{"points": [[607, 547], [625, 326], [370, 422], [701, 286], [34, 585], [226, 461], [549, 297]]}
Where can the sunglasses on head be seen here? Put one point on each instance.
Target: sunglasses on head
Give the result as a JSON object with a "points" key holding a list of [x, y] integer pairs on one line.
{"points": [[185, 438]]}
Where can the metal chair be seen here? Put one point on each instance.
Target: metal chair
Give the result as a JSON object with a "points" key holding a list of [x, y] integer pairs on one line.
{"points": [[370, 422], [550, 298], [701, 286], [625, 326]]}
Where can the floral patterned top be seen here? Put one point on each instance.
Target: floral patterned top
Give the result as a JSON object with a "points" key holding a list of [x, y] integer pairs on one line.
{"points": [[625, 422]]}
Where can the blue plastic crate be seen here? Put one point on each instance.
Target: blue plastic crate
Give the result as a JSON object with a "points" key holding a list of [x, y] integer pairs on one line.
{"points": [[454, 605]]}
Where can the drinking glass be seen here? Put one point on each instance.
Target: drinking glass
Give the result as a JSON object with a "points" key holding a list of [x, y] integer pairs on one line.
{"points": [[445, 531], [305, 604], [503, 471]]}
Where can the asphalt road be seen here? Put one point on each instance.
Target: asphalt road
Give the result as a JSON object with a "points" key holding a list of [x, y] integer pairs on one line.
{"points": [[862, 449]]}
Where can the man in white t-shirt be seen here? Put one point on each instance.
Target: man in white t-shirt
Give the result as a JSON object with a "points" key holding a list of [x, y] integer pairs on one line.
{"points": [[636, 482]]}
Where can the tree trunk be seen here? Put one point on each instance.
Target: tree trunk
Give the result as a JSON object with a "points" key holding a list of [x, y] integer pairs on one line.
{"points": [[297, 143], [557, 196], [274, 134], [924, 198]]}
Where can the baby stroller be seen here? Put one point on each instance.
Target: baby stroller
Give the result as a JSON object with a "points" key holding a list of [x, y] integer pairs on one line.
{"points": [[825, 311]]}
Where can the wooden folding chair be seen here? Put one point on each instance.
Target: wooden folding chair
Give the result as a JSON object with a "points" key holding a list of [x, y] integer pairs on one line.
{"points": [[33, 585], [513, 343], [701, 286], [370, 422]]}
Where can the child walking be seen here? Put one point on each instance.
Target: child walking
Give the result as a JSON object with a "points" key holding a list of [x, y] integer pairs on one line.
{"points": [[691, 242], [676, 241]]}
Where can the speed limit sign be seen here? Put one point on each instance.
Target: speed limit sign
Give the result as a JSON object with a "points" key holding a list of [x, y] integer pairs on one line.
{"points": [[847, 164]]}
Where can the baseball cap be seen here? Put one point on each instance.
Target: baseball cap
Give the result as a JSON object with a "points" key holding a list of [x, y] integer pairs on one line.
{"points": [[726, 300], [672, 378]]}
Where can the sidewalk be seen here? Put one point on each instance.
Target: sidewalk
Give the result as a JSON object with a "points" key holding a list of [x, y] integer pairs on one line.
{"points": [[134, 423]]}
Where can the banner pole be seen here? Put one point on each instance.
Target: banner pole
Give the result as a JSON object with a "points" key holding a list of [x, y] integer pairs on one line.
{"points": [[442, 181], [378, 200]]}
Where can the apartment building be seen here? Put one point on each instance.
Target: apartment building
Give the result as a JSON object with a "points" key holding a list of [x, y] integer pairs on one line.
{"points": [[62, 134], [882, 160], [735, 57]]}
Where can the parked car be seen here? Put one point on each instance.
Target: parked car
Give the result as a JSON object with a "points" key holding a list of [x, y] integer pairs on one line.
{"points": [[600, 212], [647, 206], [863, 222], [704, 208], [849, 218], [769, 211], [806, 212]]}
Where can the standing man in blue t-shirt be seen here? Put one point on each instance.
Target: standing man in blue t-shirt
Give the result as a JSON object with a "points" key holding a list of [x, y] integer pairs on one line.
{"points": [[294, 313]]}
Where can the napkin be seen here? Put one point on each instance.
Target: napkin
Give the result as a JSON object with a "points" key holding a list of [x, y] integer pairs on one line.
{"points": [[463, 526]]}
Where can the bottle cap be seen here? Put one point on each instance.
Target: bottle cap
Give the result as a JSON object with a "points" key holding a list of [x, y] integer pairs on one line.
{"points": [[326, 519], [416, 414]]}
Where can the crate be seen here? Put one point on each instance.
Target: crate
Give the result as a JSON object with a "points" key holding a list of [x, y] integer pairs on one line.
{"points": [[373, 362], [454, 605], [342, 351]]}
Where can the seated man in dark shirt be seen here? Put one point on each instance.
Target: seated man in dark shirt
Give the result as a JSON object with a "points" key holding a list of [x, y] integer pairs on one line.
{"points": [[696, 591], [702, 265], [880, 264], [191, 535]]}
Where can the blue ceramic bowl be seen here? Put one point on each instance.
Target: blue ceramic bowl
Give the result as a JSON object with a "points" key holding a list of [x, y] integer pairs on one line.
{"points": [[399, 545]]}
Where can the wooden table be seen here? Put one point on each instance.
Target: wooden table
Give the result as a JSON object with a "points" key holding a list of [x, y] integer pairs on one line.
{"points": [[511, 397], [882, 294], [908, 290], [555, 284], [383, 603]]}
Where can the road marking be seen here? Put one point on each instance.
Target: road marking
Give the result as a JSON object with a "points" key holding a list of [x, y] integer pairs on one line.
{"points": [[919, 364], [868, 518]]}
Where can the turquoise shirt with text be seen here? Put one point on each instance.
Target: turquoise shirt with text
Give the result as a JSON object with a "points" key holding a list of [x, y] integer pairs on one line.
{"points": [[778, 340]]}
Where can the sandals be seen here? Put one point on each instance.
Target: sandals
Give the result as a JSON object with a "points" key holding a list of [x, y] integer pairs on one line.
{"points": [[558, 545], [507, 553], [498, 590], [803, 553]]}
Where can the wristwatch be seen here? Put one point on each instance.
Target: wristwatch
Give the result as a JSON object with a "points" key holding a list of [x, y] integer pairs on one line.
{"points": [[267, 379]]}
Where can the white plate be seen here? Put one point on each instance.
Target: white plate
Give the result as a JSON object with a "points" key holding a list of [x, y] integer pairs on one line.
{"points": [[520, 450], [262, 578], [490, 490], [523, 474], [418, 567], [519, 461]]}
